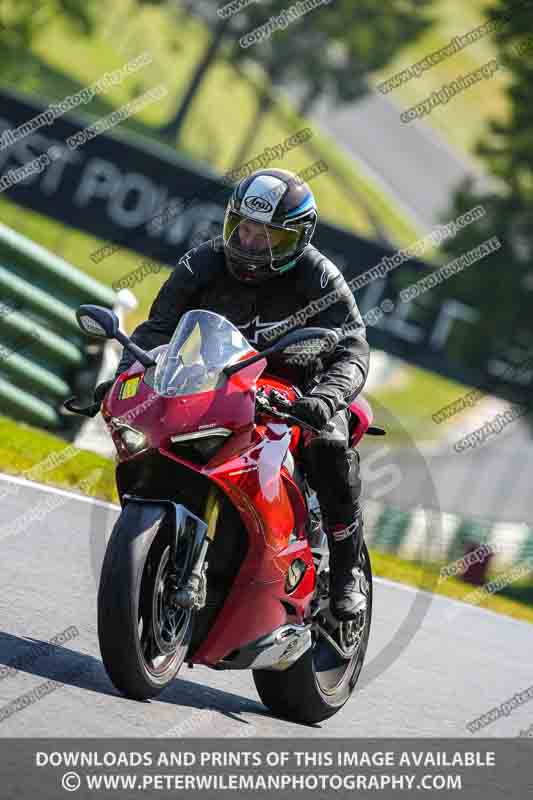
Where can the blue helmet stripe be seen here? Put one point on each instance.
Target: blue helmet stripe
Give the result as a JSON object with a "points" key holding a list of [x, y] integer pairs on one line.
{"points": [[307, 203]]}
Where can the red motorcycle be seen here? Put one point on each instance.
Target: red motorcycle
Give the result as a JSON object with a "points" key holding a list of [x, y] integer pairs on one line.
{"points": [[219, 557]]}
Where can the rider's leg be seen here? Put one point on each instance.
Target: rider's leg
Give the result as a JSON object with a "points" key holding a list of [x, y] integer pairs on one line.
{"points": [[333, 471]]}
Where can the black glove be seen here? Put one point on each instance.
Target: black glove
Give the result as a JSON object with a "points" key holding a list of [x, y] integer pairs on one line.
{"points": [[102, 389], [314, 410]]}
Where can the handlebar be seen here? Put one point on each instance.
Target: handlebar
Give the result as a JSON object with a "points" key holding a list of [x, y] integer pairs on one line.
{"points": [[93, 408], [271, 405], [85, 411], [276, 405]]}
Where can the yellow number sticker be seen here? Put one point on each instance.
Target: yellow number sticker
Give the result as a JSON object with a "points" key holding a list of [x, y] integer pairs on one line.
{"points": [[129, 388]]}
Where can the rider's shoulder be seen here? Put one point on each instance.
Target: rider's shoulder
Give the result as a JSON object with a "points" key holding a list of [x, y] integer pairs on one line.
{"points": [[204, 261], [319, 271]]}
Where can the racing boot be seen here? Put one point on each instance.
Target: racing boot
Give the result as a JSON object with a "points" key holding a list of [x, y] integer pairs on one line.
{"points": [[348, 584]]}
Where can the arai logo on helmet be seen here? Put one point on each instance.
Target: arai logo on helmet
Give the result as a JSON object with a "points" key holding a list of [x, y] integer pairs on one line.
{"points": [[257, 203]]}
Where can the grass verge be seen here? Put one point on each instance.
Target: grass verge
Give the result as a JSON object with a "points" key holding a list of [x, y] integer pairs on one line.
{"points": [[426, 576], [410, 403], [31, 453]]}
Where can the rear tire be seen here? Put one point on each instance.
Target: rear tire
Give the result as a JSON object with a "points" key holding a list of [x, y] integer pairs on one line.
{"points": [[130, 595], [301, 692]]}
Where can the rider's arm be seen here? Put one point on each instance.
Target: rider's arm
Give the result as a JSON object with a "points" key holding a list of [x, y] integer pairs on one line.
{"points": [[345, 369]]}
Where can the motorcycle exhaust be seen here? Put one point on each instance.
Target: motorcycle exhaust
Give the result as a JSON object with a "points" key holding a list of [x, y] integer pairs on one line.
{"points": [[278, 650]]}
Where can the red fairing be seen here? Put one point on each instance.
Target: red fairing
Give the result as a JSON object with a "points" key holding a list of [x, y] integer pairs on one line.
{"points": [[362, 411], [268, 382], [249, 469], [272, 508], [232, 406]]}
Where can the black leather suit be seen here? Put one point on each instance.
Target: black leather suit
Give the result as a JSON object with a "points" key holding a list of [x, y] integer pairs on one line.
{"points": [[201, 281]]}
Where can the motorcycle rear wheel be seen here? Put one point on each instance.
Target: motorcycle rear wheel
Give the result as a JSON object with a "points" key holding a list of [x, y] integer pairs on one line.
{"points": [[143, 640], [319, 683]]}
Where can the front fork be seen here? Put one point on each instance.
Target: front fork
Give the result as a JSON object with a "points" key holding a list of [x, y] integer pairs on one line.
{"points": [[193, 593]]}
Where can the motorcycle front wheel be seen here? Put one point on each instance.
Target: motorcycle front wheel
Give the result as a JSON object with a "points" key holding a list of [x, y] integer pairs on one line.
{"points": [[143, 637], [322, 680]]}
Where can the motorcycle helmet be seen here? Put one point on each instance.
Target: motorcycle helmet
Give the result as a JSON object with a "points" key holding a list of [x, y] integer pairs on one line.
{"points": [[269, 221]]}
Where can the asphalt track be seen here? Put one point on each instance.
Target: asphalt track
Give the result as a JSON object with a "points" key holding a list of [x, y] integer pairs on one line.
{"points": [[412, 163], [416, 166], [433, 664], [492, 481]]}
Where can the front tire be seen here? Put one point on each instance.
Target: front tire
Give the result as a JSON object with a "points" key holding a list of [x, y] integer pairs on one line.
{"points": [[318, 684], [142, 649]]}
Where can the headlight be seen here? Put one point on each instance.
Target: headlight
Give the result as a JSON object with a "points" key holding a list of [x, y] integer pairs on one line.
{"points": [[133, 440]]}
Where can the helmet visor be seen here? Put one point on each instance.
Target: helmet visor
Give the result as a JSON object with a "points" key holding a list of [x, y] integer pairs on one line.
{"points": [[259, 243]]}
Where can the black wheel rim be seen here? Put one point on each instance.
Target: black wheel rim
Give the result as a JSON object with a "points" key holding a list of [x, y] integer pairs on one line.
{"points": [[333, 672], [163, 629]]}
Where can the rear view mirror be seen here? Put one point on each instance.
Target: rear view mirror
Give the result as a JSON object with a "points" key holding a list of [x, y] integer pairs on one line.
{"points": [[104, 323], [97, 321]]}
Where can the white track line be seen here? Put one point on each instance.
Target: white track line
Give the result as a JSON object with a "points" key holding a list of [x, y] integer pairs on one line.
{"points": [[42, 487], [386, 581]]}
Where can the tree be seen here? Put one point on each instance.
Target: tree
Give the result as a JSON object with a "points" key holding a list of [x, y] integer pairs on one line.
{"points": [[22, 20], [173, 127], [332, 49], [329, 50], [500, 287]]}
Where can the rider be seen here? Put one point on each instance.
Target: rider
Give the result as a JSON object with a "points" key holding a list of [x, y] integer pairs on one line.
{"points": [[259, 274]]}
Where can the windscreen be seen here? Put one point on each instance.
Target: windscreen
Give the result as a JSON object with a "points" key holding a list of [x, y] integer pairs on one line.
{"points": [[202, 345]]}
